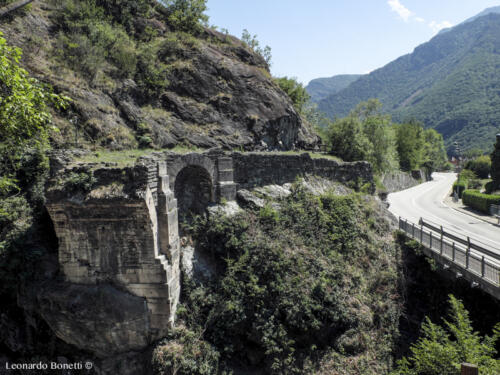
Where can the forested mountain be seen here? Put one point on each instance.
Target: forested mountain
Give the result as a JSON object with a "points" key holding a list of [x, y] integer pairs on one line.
{"points": [[451, 83], [321, 88]]}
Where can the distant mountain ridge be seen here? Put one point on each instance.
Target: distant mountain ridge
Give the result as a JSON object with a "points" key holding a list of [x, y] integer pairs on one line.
{"points": [[491, 10], [321, 88], [451, 83]]}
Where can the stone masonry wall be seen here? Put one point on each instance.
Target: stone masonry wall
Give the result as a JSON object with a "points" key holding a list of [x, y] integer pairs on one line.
{"points": [[123, 232], [258, 169]]}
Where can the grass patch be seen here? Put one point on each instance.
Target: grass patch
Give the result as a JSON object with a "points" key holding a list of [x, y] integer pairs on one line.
{"points": [[313, 155], [128, 157]]}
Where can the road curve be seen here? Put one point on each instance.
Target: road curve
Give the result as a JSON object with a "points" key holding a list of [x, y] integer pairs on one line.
{"points": [[426, 201]]}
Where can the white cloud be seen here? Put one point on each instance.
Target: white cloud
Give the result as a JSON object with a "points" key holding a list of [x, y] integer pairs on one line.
{"points": [[400, 9], [436, 26], [419, 19]]}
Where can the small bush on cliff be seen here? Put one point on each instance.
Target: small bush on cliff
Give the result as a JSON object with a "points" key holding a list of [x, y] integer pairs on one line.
{"points": [[441, 350], [295, 90], [183, 352]]}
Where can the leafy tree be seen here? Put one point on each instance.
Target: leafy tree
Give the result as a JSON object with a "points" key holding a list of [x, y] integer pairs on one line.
{"points": [[295, 90], [25, 123], [379, 132], [495, 165], [441, 350], [434, 151], [410, 145], [346, 139], [252, 42], [186, 15], [24, 115], [365, 134]]}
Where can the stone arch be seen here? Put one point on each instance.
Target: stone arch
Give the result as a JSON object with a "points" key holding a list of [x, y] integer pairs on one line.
{"points": [[194, 191]]}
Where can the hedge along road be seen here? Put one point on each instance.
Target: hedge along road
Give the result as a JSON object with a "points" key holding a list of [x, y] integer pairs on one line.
{"points": [[426, 201]]}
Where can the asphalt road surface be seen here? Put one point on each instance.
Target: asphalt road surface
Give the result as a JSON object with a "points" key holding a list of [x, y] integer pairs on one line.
{"points": [[426, 201]]}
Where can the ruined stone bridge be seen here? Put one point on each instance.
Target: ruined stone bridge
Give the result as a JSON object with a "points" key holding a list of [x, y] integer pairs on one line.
{"points": [[124, 231]]}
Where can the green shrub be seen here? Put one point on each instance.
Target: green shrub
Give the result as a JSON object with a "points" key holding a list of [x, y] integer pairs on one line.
{"points": [[295, 91], [466, 175], [479, 201], [182, 352], [82, 181], [268, 215], [186, 15], [480, 166], [475, 184], [488, 187]]}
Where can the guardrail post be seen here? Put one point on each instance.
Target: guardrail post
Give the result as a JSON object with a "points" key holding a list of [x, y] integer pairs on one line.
{"points": [[453, 252], [430, 240], [413, 230], [421, 232], [483, 267], [467, 255], [441, 242]]}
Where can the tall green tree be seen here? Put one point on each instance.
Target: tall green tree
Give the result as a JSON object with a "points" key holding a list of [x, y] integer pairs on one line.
{"points": [[434, 151], [366, 134], [346, 139], [186, 15], [378, 129], [441, 350], [410, 142], [24, 117]]}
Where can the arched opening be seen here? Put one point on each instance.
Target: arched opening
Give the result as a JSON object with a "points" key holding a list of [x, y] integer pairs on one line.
{"points": [[193, 190]]}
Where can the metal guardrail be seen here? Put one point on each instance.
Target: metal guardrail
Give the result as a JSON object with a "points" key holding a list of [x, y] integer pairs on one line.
{"points": [[468, 256]]}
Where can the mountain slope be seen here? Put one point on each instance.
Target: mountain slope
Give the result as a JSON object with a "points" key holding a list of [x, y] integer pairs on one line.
{"points": [[450, 83], [137, 79], [320, 88]]}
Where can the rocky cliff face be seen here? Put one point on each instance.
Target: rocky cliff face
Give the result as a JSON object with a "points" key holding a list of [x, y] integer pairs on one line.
{"points": [[217, 92]]}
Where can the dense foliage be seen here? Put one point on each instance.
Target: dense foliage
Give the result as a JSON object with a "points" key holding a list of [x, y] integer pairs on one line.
{"points": [[450, 84], [367, 134], [295, 90], [25, 125], [480, 201], [297, 290], [186, 15], [418, 148], [480, 166], [441, 350]]}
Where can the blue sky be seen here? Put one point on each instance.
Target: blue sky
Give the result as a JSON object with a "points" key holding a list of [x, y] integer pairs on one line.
{"points": [[321, 38]]}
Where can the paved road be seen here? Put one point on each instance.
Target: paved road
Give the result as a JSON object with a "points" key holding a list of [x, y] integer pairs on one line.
{"points": [[426, 201]]}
